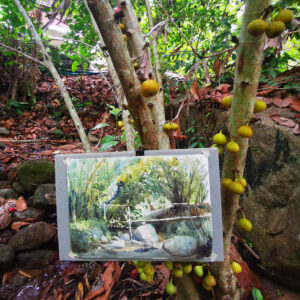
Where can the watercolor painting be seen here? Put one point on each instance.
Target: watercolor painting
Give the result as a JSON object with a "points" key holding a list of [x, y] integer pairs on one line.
{"points": [[147, 208]]}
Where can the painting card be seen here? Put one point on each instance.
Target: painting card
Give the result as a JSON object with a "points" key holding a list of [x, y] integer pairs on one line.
{"points": [[162, 206]]}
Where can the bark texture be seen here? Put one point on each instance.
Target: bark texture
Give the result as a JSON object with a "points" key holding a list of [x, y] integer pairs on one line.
{"points": [[247, 73], [137, 44], [115, 45], [50, 66]]}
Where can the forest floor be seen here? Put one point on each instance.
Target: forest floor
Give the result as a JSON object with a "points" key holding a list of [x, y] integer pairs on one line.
{"points": [[46, 130]]}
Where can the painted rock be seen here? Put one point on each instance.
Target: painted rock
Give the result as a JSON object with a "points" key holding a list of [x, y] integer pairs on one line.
{"points": [[180, 246], [146, 233]]}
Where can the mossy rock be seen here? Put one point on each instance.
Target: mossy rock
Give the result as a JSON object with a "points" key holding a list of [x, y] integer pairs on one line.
{"points": [[33, 173], [44, 196]]}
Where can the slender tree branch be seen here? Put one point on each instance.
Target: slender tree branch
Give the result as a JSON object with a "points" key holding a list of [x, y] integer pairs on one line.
{"points": [[22, 53], [50, 66], [179, 30]]}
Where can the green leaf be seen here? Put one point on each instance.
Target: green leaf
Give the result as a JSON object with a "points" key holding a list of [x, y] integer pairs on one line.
{"points": [[85, 65], [123, 137], [108, 145], [256, 294], [100, 125], [107, 139], [74, 66]]}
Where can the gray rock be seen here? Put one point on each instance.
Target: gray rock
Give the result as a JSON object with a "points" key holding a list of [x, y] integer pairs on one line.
{"points": [[44, 196], [8, 193], [29, 213], [18, 187], [34, 173], [4, 131], [145, 233], [117, 244], [35, 258], [3, 175], [181, 246], [7, 255], [125, 237], [32, 236], [79, 241]]}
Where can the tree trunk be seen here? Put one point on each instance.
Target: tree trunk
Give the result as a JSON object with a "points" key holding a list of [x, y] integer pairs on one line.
{"points": [[128, 128], [138, 43], [49, 65], [247, 73], [115, 45]]}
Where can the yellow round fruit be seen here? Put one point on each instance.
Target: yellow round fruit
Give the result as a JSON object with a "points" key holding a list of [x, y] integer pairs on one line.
{"points": [[209, 280], [170, 288], [174, 126], [244, 224], [274, 29], [220, 148], [236, 268], [226, 101], [169, 265], [259, 106], [149, 88], [187, 268], [219, 138], [122, 26], [168, 126], [225, 182], [177, 273], [232, 146], [136, 65], [143, 276], [149, 269], [122, 128], [198, 270], [285, 16], [125, 37], [131, 121], [245, 131], [236, 188], [257, 27], [242, 181], [120, 124], [206, 287]]}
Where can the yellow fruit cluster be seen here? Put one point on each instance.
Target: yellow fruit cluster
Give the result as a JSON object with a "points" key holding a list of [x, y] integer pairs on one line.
{"points": [[145, 269], [170, 126], [273, 29], [236, 186]]}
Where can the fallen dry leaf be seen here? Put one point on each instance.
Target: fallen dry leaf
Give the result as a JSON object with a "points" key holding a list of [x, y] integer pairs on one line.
{"points": [[295, 105], [297, 129], [17, 225], [4, 219], [283, 121], [195, 89], [282, 102], [21, 204]]}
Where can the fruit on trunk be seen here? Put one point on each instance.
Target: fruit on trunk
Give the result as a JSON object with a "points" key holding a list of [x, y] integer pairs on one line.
{"points": [[285, 16], [198, 270], [220, 148], [136, 65], [149, 88], [120, 124], [225, 182], [174, 126], [131, 121], [171, 288], [236, 268], [244, 224], [219, 138], [187, 268], [274, 29], [242, 181], [259, 106], [245, 131], [169, 265], [226, 101], [257, 27], [168, 126], [206, 287], [125, 37], [122, 26], [177, 273], [232, 146], [209, 280], [236, 188]]}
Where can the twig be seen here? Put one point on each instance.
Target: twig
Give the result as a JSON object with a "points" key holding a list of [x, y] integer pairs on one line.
{"points": [[179, 30], [179, 110], [21, 53], [2, 140]]}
